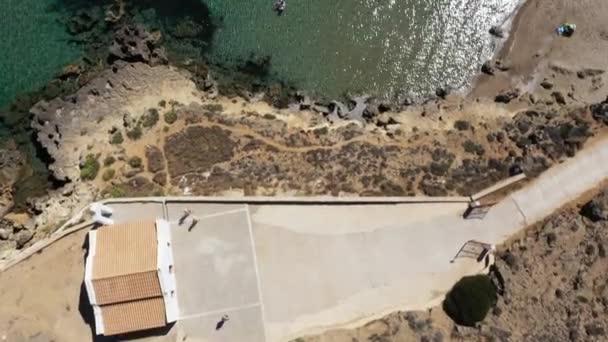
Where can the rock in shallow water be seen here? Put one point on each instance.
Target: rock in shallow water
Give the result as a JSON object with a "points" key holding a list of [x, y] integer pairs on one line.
{"points": [[488, 68], [497, 31]]}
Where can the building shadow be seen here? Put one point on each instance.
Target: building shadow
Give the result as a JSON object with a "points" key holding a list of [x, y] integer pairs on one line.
{"points": [[86, 312]]}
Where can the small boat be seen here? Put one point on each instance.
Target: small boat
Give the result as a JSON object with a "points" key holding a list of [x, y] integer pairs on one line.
{"points": [[279, 6]]}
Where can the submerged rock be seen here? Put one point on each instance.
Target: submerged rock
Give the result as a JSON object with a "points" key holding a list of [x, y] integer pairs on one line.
{"points": [[488, 67], [497, 31], [442, 92]]}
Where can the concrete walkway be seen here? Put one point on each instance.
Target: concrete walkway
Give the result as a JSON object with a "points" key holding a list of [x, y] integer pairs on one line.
{"points": [[284, 268]]}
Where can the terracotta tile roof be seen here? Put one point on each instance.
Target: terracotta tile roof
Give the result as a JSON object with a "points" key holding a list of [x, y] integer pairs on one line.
{"points": [[124, 278], [132, 316], [127, 287], [125, 249]]}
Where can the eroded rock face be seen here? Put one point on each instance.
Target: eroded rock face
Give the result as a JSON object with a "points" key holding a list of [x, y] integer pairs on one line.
{"points": [[67, 126], [600, 111], [133, 43], [12, 163], [597, 209]]}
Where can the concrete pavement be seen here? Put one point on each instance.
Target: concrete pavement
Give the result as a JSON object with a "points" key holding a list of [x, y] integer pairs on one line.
{"points": [[282, 270]]}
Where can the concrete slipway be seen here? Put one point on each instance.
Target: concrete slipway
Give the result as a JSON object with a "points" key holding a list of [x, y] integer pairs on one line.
{"points": [[282, 268]]}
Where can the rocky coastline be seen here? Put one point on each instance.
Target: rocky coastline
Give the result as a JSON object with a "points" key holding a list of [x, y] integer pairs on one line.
{"points": [[145, 127]]}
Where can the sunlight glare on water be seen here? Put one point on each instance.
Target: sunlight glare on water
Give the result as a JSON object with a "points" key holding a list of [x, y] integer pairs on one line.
{"points": [[376, 47]]}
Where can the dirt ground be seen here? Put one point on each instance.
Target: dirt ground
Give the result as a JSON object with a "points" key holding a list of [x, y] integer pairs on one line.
{"points": [[41, 297], [213, 153], [535, 52]]}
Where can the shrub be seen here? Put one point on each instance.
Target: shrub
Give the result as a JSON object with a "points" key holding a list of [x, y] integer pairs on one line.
{"points": [[320, 131], [213, 108], [150, 119], [170, 117], [162, 103], [135, 162], [474, 148], [90, 168], [462, 125], [109, 160], [469, 301], [116, 191], [108, 174], [116, 139], [135, 133]]}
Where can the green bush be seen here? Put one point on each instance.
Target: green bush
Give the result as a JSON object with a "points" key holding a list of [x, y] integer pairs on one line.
{"points": [[462, 125], [117, 138], [108, 174], [135, 162], [135, 133], [116, 191], [109, 160], [213, 108], [90, 168], [473, 147], [150, 119], [469, 301], [170, 117]]}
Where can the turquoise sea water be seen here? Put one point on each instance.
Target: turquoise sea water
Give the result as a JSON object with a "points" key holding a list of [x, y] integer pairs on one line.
{"points": [[329, 48], [34, 45], [378, 47]]}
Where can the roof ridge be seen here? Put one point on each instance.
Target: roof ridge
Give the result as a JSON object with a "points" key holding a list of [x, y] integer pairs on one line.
{"points": [[126, 274], [132, 300]]}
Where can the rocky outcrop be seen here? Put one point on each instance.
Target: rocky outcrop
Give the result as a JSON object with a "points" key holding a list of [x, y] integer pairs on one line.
{"points": [[497, 32], [66, 127], [12, 163], [597, 209], [133, 43], [507, 96], [600, 111], [13, 235]]}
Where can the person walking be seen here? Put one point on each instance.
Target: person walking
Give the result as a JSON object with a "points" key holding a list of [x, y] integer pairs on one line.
{"points": [[187, 212], [221, 322], [193, 222]]}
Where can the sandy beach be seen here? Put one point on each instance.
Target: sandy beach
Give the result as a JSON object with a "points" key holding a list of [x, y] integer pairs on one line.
{"points": [[533, 49]]}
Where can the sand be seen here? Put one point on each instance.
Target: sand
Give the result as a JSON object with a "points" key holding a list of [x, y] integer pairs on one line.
{"points": [[533, 46], [41, 296]]}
